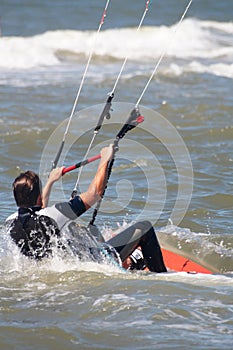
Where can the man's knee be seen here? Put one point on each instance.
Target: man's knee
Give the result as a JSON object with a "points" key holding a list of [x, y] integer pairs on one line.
{"points": [[144, 225]]}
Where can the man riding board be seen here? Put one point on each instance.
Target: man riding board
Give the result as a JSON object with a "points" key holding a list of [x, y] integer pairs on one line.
{"points": [[37, 228]]}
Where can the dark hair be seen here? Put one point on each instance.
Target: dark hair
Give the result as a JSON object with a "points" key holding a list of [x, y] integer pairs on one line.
{"points": [[26, 189]]}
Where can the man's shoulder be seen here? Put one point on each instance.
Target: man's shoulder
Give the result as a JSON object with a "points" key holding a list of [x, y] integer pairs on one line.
{"points": [[61, 209], [54, 212], [48, 211]]}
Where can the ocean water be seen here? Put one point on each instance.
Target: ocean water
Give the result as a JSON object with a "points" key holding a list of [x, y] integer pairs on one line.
{"points": [[174, 169]]}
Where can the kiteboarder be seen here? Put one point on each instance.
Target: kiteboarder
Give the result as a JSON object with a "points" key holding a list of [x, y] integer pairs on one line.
{"points": [[37, 229]]}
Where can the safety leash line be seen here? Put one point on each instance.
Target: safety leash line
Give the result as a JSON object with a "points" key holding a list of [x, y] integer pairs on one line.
{"points": [[107, 107], [54, 164], [164, 53], [136, 106], [126, 59], [132, 121]]}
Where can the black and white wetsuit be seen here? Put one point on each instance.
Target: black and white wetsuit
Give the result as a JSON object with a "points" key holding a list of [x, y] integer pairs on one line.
{"points": [[35, 230]]}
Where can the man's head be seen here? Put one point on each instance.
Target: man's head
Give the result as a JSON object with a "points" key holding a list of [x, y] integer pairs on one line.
{"points": [[27, 189]]}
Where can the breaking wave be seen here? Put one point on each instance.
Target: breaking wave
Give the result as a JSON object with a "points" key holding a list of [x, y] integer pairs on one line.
{"points": [[205, 44]]}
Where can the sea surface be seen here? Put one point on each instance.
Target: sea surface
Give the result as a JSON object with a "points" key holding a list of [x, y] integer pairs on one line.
{"points": [[174, 169]]}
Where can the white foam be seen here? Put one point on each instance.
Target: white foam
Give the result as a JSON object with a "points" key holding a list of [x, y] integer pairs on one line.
{"points": [[18, 52], [218, 69], [194, 39], [226, 27]]}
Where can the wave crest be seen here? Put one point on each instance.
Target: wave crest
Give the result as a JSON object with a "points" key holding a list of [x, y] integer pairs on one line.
{"points": [[194, 39]]}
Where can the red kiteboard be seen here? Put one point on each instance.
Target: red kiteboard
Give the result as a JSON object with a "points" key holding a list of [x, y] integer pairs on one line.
{"points": [[179, 263]]}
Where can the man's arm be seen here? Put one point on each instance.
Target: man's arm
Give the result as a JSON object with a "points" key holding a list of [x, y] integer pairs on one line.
{"points": [[54, 176], [66, 211], [98, 184], [96, 188]]}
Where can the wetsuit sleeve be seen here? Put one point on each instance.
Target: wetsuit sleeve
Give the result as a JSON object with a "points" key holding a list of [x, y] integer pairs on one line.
{"points": [[75, 207], [65, 211]]}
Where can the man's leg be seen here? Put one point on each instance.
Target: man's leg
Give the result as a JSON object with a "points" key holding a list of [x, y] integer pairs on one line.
{"points": [[140, 234], [152, 252]]}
